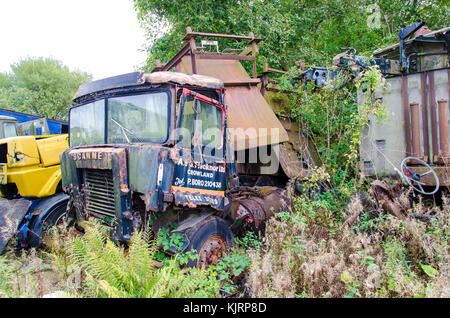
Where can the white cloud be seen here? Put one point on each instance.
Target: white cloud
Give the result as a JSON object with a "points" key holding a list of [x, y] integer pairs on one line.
{"points": [[101, 37]]}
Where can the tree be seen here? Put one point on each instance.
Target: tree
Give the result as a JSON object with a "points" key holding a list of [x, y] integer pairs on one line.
{"points": [[311, 30], [40, 86]]}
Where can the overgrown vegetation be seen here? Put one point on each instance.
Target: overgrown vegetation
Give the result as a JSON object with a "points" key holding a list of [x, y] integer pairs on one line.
{"points": [[310, 30], [311, 251], [302, 256]]}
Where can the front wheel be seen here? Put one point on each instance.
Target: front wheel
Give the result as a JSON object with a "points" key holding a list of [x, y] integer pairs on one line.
{"points": [[211, 238]]}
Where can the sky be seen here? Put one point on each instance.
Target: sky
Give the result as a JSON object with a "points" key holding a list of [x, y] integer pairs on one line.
{"points": [[101, 37]]}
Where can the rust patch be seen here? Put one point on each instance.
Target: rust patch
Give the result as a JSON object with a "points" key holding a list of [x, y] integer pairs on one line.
{"points": [[252, 206]]}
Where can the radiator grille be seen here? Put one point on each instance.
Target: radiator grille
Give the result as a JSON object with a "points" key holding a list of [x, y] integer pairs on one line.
{"points": [[99, 189]]}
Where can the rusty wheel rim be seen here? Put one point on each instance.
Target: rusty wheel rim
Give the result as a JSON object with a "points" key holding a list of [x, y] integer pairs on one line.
{"points": [[211, 251]]}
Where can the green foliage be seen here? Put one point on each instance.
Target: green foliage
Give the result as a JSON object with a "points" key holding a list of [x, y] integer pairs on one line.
{"points": [[249, 242], [111, 271], [430, 271], [302, 29], [6, 282], [40, 86], [335, 121], [170, 240]]}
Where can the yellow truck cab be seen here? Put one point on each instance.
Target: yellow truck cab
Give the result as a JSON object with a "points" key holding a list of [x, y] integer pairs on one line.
{"points": [[30, 187], [29, 165]]}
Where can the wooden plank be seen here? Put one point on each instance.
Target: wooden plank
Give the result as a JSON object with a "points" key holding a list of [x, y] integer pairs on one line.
{"points": [[215, 56], [190, 35]]}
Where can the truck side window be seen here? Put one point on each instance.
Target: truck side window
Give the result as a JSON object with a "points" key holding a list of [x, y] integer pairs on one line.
{"points": [[201, 125], [209, 128], [186, 128]]}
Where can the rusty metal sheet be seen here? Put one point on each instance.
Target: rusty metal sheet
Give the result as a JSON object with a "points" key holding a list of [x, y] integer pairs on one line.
{"points": [[11, 214], [302, 143], [224, 70], [251, 120]]}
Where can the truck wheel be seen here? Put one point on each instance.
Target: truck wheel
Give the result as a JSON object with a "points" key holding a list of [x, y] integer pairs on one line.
{"points": [[211, 238], [52, 213]]}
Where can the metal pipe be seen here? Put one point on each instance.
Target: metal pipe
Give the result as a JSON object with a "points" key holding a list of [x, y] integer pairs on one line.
{"points": [[406, 115], [424, 105], [415, 129], [443, 128], [433, 117]]}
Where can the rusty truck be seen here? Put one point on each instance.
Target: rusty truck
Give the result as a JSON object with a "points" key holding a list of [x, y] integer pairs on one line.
{"points": [[197, 150]]}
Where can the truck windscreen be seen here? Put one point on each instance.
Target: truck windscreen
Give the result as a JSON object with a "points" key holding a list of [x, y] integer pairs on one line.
{"points": [[138, 118], [130, 119], [87, 124]]}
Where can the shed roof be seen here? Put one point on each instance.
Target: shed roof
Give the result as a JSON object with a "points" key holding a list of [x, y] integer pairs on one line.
{"points": [[432, 34]]}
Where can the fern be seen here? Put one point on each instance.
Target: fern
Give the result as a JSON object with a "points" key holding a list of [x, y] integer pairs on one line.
{"points": [[112, 271]]}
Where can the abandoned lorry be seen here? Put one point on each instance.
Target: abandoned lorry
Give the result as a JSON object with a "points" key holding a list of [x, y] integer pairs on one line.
{"points": [[203, 156], [153, 148]]}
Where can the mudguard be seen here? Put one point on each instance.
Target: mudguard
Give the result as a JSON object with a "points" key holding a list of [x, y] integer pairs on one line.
{"points": [[12, 213], [44, 213]]}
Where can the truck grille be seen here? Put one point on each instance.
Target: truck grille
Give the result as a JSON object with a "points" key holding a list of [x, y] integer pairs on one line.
{"points": [[99, 189]]}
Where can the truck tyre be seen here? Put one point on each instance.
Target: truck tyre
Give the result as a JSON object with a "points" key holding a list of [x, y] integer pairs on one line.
{"points": [[211, 238], [52, 210]]}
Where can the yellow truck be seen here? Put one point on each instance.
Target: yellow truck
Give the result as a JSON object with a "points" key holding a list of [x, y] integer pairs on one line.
{"points": [[30, 186]]}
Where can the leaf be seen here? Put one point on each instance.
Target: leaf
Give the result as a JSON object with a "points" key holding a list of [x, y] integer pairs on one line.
{"points": [[346, 277], [430, 271]]}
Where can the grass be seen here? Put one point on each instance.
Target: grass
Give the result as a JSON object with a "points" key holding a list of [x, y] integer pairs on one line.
{"points": [[311, 251], [308, 254]]}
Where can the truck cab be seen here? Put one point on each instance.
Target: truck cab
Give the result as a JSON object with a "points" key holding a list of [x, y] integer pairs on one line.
{"points": [[150, 150], [30, 183], [147, 143]]}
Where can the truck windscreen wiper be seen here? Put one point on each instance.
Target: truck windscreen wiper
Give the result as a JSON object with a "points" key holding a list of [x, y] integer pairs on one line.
{"points": [[124, 129]]}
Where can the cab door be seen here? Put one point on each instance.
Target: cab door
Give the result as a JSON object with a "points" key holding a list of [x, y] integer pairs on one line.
{"points": [[199, 172]]}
